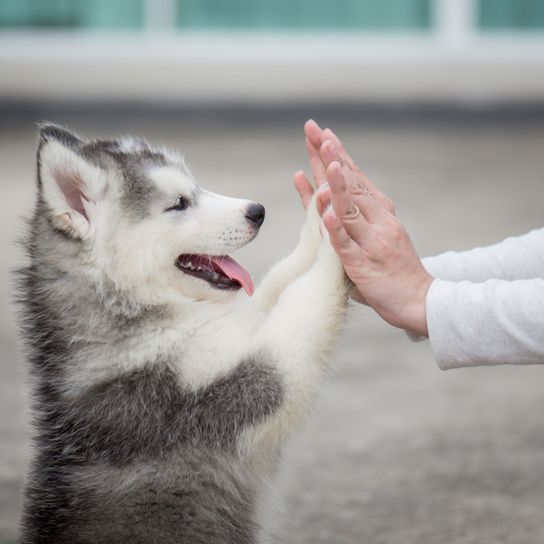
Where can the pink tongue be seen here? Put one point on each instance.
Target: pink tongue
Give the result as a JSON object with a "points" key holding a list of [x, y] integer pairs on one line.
{"points": [[235, 272]]}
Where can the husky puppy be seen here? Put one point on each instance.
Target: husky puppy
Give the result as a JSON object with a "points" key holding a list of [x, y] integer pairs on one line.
{"points": [[161, 392]]}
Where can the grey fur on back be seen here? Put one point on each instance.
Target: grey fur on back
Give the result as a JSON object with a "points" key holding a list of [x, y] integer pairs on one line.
{"points": [[137, 457]]}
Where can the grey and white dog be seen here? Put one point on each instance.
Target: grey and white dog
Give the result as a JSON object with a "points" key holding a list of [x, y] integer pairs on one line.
{"points": [[161, 392]]}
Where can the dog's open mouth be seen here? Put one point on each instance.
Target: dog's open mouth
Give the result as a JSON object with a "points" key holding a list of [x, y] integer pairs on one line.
{"points": [[222, 272]]}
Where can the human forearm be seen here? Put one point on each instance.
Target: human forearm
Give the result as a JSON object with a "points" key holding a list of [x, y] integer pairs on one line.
{"points": [[495, 322], [515, 258]]}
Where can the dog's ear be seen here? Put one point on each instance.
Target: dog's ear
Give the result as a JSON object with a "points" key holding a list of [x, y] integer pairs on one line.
{"points": [[69, 185]]}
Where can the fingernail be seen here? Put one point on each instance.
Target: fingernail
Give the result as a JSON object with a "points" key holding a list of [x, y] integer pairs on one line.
{"points": [[337, 165]]}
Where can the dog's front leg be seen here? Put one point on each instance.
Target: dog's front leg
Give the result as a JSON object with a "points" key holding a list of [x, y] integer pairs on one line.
{"points": [[300, 334], [292, 266]]}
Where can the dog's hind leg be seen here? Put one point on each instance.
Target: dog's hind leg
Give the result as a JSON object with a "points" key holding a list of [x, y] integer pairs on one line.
{"points": [[294, 265]]}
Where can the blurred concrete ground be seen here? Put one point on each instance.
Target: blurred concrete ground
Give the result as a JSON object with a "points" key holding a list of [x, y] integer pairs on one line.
{"points": [[396, 451]]}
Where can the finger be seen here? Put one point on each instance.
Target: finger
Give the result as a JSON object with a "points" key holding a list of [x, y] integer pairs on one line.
{"points": [[347, 203], [333, 150], [374, 204], [313, 133], [303, 187], [358, 183], [345, 158], [349, 252], [328, 134], [347, 212], [316, 164], [328, 153], [323, 198]]}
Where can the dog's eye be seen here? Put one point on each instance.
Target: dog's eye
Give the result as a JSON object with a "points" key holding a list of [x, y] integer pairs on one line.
{"points": [[180, 205]]}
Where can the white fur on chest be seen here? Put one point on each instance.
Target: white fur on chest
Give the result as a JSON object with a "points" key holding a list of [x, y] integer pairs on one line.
{"points": [[215, 340], [202, 343]]}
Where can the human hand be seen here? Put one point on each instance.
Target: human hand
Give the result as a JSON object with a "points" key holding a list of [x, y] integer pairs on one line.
{"points": [[373, 245]]}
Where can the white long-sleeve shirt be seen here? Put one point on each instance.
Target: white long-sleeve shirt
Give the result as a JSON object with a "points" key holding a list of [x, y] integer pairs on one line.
{"points": [[486, 305]]}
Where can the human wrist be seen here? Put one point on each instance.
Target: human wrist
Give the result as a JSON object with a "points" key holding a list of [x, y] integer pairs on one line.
{"points": [[414, 317]]}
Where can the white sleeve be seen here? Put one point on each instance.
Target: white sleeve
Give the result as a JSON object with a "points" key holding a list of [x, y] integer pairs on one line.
{"points": [[515, 258], [489, 323]]}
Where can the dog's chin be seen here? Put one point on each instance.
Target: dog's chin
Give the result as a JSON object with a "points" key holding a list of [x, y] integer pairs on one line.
{"points": [[194, 289]]}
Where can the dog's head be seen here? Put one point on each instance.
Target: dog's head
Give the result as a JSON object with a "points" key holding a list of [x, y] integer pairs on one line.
{"points": [[139, 218]]}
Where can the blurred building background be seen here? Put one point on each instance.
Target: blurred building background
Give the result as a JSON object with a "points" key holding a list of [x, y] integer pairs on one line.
{"points": [[440, 101], [244, 52]]}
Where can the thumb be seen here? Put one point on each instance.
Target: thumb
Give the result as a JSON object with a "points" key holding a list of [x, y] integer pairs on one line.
{"points": [[304, 188]]}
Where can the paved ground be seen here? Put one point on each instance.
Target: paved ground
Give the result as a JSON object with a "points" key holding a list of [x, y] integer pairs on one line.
{"points": [[396, 451]]}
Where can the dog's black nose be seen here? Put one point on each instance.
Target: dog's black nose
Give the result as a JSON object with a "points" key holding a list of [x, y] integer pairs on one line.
{"points": [[255, 214]]}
